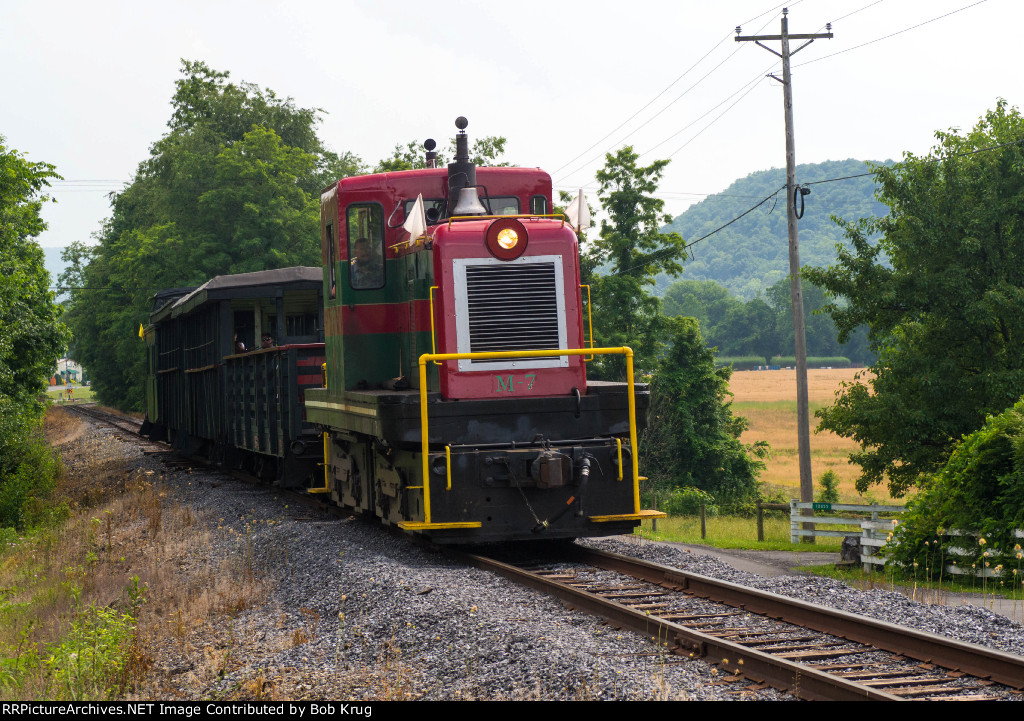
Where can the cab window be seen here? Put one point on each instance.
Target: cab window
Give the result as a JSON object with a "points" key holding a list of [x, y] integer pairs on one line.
{"points": [[331, 260], [504, 205], [433, 208], [365, 245]]}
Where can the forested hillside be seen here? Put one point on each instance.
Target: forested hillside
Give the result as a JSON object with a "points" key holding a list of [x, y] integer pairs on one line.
{"points": [[751, 255]]}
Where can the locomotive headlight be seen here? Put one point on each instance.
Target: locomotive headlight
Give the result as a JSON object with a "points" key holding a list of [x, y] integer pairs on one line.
{"points": [[506, 239]]}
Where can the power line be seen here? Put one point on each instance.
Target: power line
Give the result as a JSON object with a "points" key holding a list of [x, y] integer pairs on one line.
{"points": [[647, 105], [827, 180], [745, 90], [876, 2], [87, 180], [720, 116], [865, 7], [746, 212], [891, 35], [674, 194], [679, 97], [717, 230], [646, 122]]}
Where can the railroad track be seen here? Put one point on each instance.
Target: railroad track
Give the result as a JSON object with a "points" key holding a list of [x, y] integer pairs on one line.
{"points": [[811, 651], [89, 410], [176, 459], [129, 426]]}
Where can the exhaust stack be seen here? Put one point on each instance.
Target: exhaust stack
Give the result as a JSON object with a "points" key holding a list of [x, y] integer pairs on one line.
{"points": [[462, 195]]}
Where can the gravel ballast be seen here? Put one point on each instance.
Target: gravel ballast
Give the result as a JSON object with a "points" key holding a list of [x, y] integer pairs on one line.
{"points": [[351, 611]]}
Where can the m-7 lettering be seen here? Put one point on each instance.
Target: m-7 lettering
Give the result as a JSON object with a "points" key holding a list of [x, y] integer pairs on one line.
{"points": [[509, 385]]}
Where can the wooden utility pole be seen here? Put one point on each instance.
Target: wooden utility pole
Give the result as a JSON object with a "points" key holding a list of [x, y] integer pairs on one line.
{"points": [[794, 193]]}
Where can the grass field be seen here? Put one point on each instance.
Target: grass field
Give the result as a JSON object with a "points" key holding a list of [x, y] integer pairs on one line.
{"points": [[733, 532], [79, 393], [767, 399]]}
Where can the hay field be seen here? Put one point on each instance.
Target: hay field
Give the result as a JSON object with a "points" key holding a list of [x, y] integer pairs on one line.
{"points": [[767, 399]]}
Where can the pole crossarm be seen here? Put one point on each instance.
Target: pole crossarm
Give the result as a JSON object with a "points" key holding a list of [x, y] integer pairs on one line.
{"points": [[791, 36]]}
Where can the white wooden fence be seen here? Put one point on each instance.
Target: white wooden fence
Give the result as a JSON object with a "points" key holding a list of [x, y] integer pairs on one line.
{"points": [[963, 560], [873, 531], [861, 511]]}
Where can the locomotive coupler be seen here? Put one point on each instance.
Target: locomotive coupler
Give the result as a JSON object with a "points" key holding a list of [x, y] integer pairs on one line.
{"points": [[551, 469], [573, 500]]}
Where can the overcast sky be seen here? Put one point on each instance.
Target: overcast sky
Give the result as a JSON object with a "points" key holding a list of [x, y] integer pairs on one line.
{"points": [[87, 85]]}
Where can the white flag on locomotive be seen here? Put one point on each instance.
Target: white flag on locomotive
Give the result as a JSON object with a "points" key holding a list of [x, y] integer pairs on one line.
{"points": [[578, 213], [416, 223]]}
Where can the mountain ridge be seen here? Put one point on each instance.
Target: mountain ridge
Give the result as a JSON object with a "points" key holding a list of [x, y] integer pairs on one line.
{"points": [[752, 254]]}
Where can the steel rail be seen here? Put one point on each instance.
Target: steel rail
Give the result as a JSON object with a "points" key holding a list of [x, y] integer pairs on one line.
{"points": [[802, 681], [123, 423], [972, 659]]}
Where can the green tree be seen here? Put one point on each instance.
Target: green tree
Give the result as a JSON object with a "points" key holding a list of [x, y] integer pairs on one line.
{"points": [[829, 483], [693, 437], [632, 250], [738, 328], [412, 156], [822, 334], [751, 328], [705, 300], [233, 187], [258, 206], [32, 336], [941, 294]]}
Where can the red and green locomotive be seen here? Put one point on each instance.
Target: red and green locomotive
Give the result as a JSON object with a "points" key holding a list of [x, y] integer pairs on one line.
{"points": [[456, 401], [449, 322]]}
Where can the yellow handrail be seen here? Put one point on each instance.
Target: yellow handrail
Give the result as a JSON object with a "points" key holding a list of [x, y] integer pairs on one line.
{"points": [[326, 464], [590, 322], [424, 421], [499, 217], [433, 342]]}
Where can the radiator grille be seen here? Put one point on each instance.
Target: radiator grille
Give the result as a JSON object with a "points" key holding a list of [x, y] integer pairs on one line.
{"points": [[513, 307]]}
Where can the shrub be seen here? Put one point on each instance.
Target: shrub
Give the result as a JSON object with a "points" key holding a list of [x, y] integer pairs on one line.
{"points": [[90, 662], [693, 438], [28, 466], [980, 490], [829, 483], [833, 361], [687, 501], [740, 363]]}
